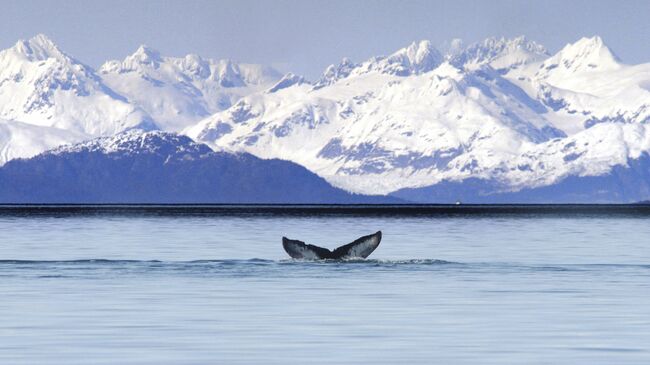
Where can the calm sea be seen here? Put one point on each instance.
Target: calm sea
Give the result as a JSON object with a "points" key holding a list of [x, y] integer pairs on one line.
{"points": [[447, 285]]}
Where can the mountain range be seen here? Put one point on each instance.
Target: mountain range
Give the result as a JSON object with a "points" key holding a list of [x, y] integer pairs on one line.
{"points": [[502, 120]]}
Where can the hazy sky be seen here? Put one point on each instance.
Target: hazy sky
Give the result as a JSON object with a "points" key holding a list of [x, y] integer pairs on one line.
{"points": [[306, 36]]}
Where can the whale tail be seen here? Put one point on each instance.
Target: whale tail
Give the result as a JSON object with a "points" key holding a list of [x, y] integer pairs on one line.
{"points": [[360, 248]]}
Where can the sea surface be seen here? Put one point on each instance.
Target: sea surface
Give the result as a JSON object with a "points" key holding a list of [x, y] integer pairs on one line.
{"points": [[212, 285]]}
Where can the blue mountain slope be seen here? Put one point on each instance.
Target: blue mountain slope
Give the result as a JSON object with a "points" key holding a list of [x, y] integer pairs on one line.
{"points": [[159, 167]]}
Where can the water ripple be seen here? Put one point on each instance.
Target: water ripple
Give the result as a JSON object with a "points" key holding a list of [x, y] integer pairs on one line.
{"points": [[261, 267]]}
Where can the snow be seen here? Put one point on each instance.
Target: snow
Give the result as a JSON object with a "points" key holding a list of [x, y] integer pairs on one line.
{"points": [[334, 73], [23, 140], [501, 54], [287, 80], [494, 110], [135, 141], [41, 85], [418, 57], [178, 92]]}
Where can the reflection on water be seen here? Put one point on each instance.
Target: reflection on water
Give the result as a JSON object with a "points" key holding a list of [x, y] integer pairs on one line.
{"points": [[217, 288]]}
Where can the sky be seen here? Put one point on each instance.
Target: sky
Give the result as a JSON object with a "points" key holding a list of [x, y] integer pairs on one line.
{"points": [[306, 36]]}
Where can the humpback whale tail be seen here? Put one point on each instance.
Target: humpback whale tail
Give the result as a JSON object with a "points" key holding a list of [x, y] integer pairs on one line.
{"points": [[360, 248]]}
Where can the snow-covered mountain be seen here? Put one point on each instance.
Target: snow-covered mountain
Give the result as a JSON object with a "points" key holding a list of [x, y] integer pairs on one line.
{"points": [[48, 98], [503, 114], [372, 128], [501, 54], [161, 167], [583, 84], [501, 111], [43, 86], [178, 92]]}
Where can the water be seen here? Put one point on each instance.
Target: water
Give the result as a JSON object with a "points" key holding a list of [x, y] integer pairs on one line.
{"points": [[199, 286]]}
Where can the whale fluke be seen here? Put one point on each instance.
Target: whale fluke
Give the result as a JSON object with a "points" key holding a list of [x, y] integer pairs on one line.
{"points": [[360, 248]]}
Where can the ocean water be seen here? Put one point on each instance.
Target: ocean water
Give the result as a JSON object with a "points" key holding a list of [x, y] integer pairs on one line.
{"points": [[213, 286]]}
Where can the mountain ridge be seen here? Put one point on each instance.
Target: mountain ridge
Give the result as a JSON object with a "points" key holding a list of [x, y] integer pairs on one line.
{"points": [[502, 111], [371, 129]]}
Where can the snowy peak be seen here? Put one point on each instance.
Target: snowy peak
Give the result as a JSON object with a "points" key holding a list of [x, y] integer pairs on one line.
{"points": [[145, 55], [132, 142], [179, 91], [42, 52], [417, 58], [585, 55], [500, 53], [195, 66], [334, 73], [288, 80], [421, 56], [43, 86], [592, 49], [38, 48], [226, 73], [231, 74]]}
